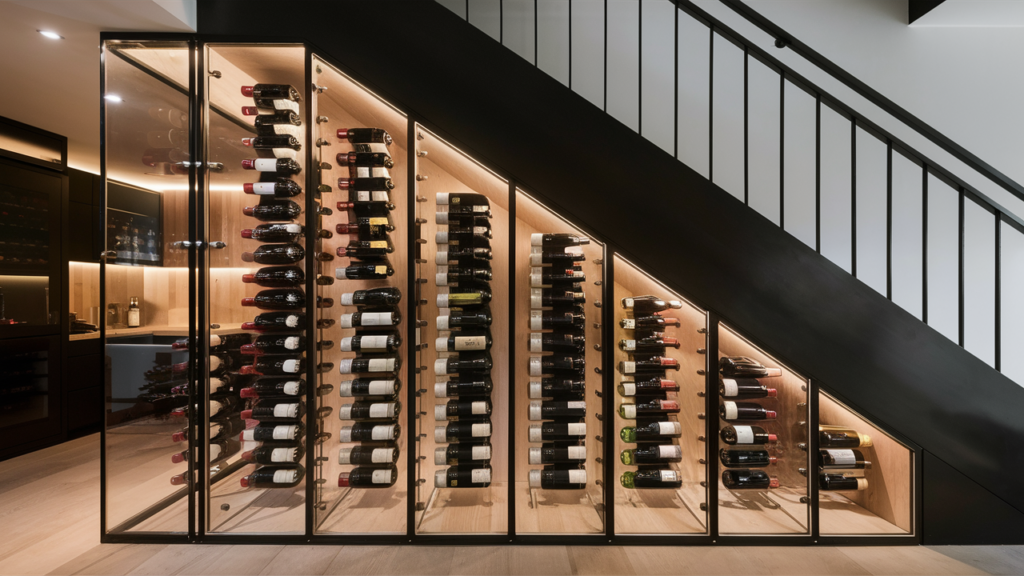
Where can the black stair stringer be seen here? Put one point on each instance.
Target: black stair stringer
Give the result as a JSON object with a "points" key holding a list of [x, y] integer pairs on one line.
{"points": [[667, 218]]}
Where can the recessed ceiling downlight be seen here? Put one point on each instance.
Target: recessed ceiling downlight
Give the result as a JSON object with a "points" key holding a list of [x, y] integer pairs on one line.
{"points": [[50, 34]]}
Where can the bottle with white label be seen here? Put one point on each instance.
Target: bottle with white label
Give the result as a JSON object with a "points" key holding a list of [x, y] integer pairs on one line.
{"points": [[457, 432], [365, 271], [463, 342], [360, 455], [565, 342], [278, 299], [471, 476], [363, 387], [475, 319], [279, 188], [648, 365], [646, 305], [274, 454], [539, 257], [370, 318], [365, 249], [372, 343], [471, 385], [653, 408], [552, 453], [731, 411], [557, 431], [557, 240], [557, 409], [833, 482], [282, 166], [274, 365], [651, 478], [649, 345], [275, 387], [274, 344], [745, 388], [273, 433], [649, 387], [742, 366], [743, 479], [381, 297], [471, 201], [550, 297], [464, 362], [557, 388], [370, 411], [651, 432], [294, 322], [746, 458], [558, 479], [841, 437], [733, 435], [556, 277], [275, 411], [282, 476], [456, 410], [382, 365], [364, 477], [370, 432], [840, 459], [652, 322], [651, 454], [455, 454]]}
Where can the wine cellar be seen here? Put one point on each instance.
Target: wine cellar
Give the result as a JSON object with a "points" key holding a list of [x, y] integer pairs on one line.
{"points": [[353, 330]]}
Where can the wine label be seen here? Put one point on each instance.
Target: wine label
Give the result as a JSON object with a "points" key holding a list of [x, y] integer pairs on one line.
{"points": [[536, 320], [265, 165], [285, 476], [377, 147], [577, 452], [372, 172], [378, 221], [628, 389], [291, 388], [669, 428], [579, 429], [382, 432], [744, 434], [373, 343], [481, 453], [627, 303], [629, 323], [481, 430], [292, 297], [379, 244], [382, 476], [382, 456], [286, 411], [729, 387], [381, 270], [480, 476], [470, 342], [263, 187], [669, 452], [291, 342], [731, 412], [290, 366], [368, 196], [292, 321], [629, 411], [577, 476], [629, 345], [376, 318], [842, 457], [282, 455], [479, 408], [288, 130], [380, 365], [281, 104], [668, 475], [285, 432], [382, 410], [576, 405], [381, 388]]}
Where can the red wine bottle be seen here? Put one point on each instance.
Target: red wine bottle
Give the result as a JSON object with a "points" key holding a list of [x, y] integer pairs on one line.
{"points": [[285, 476], [651, 454], [744, 388], [656, 345], [557, 388], [277, 277], [456, 410], [218, 451], [832, 482], [473, 319], [741, 366], [457, 432], [371, 318], [267, 95], [743, 479], [384, 365], [472, 201], [372, 343], [651, 432], [369, 196], [558, 479], [744, 411], [733, 435], [365, 135], [649, 365], [649, 387], [557, 431], [367, 228], [556, 259], [367, 455], [217, 408], [363, 387], [653, 322], [274, 411], [464, 362], [365, 271], [275, 344], [372, 209], [275, 254], [272, 142], [365, 248], [368, 477], [274, 232], [549, 277], [648, 305], [557, 364], [746, 458], [540, 320], [271, 432], [846, 459], [370, 432], [842, 437], [558, 240], [218, 342], [274, 365], [455, 454], [277, 122], [464, 386], [463, 342], [557, 454], [226, 429], [277, 322], [374, 297], [280, 166], [279, 188], [473, 476], [456, 254], [272, 209], [277, 299], [367, 184], [275, 387], [555, 297], [271, 454], [565, 343], [367, 410], [557, 409], [649, 409], [372, 159], [651, 478]]}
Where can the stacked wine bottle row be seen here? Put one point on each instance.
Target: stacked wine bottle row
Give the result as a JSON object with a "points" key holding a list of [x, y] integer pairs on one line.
{"points": [[649, 395], [744, 385], [278, 362], [840, 461], [557, 387], [370, 430], [464, 341]]}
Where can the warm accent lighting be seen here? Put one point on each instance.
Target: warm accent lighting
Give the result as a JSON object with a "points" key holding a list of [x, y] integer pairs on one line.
{"points": [[50, 34], [113, 98]]}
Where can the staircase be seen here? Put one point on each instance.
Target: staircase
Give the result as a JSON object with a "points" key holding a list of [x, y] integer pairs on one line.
{"points": [[769, 267]]}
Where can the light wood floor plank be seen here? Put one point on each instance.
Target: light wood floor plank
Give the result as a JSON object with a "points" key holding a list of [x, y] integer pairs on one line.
{"points": [[122, 561], [87, 558], [474, 560], [991, 559], [357, 560], [610, 560], [241, 560], [807, 560], [426, 560], [301, 560], [907, 561], [539, 560], [175, 558]]}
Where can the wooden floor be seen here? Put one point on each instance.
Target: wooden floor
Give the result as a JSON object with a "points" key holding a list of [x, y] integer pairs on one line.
{"points": [[49, 524]]}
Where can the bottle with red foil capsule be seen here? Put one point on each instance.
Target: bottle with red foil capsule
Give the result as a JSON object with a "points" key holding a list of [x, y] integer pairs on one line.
{"points": [[275, 344], [279, 166], [283, 476], [651, 365], [283, 232], [277, 277], [730, 410], [648, 387], [275, 454], [275, 123], [366, 249], [734, 435], [218, 451], [272, 209], [365, 135], [272, 96], [741, 366], [648, 409], [291, 410], [652, 322], [550, 277], [277, 299], [275, 387], [649, 345], [365, 477], [367, 184], [367, 228], [743, 479], [220, 430], [366, 164], [279, 188], [746, 458], [648, 305], [745, 388], [274, 365], [275, 254], [373, 209], [277, 322]]}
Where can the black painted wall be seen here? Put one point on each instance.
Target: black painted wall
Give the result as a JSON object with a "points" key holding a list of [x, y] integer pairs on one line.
{"points": [[669, 219]]}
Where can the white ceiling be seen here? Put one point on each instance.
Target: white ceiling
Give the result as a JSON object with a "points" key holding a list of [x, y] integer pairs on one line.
{"points": [[974, 14], [55, 84]]}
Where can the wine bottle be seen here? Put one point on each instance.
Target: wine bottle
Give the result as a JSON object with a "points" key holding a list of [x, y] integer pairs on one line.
{"points": [[271, 411], [746, 458], [281, 166], [842, 437], [271, 454], [367, 455], [365, 249], [557, 240], [365, 410], [283, 476], [557, 431], [468, 386], [369, 159], [370, 318], [745, 388], [464, 362], [560, 388], [469, 319], [651, 432], [841, 482], [370, 432], [273, 433], [558, 479], [275, 387], [462, 299], [550, 297], [653, 322], [846, 459], [371, 343], [275, 254], [369, 477], [270, 96], [277, 277], [455, 454], [656, 345], [649, 387], [271, 209], [456, 410], [277, 299], [361, 387], [744, 411], [456, 432], [463, 342], [464, 237], [444, 256], [549, 277], [650, 478], [477, 202], [648, 305], [648, 365], [274, 365], [564, 343], [279, 188], [557, 409], [733, 435], [281, 142], [382, 365], [366, 184], [274, 344], [650, 408], [218, 342], [379, 297], [540, 320], [277, 322], [474, 476], [741, 366], [365, 135], [556, 259], [463, 219], [218, 451], [446, 275], [365, 271], [743, 479], [557, 364], [367, 228], [370, 209], [556, 454], [651, 454], [274, 232]]}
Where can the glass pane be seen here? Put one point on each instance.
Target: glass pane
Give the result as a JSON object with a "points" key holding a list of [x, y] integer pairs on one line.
{"points": [[763, 460], [257, 481], [657, 426], [145, 305], [470, 450], [559, 483], [364, 481]]}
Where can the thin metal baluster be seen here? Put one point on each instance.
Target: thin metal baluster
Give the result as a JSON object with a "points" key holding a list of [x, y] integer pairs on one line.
{"points": [[888, 219], [604, 97], [675, 89], [853, 197], [746, 129], [817, 173], [501, 22], [999, 292], [535, 33], [924, 243], [782, 149], [570, 44], [960, 280], [639, 66], [711, 102]]}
